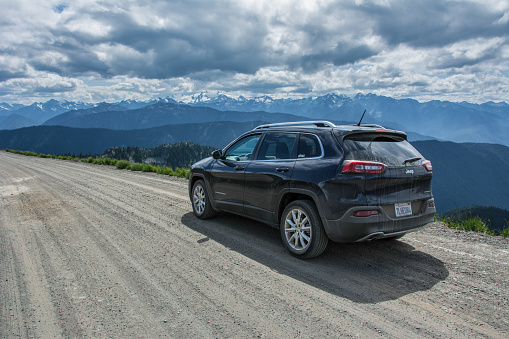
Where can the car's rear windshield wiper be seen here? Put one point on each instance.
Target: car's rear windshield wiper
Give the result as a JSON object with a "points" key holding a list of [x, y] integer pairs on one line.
{"points": [[411, 160]]}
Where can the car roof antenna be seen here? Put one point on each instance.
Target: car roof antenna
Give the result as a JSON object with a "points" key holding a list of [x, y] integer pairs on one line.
{"points": [[361, 118]]}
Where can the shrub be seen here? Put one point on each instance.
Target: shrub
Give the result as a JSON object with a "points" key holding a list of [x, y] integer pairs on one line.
{"points": [[146, 168], [505, 231], [123, 164], [136, 167], [62, 157], [182, 173]]}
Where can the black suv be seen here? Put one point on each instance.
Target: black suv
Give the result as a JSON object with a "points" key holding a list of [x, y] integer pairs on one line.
{"points": [[316, 181]]}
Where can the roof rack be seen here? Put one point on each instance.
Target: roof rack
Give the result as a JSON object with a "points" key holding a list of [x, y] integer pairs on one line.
{"points": [[299, 123], [370, 125]]}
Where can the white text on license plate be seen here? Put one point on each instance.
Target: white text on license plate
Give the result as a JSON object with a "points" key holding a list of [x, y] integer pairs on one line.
{"points": [[403, 209]]}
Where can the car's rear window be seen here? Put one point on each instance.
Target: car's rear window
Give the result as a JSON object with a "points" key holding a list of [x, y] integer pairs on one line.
{"points": [[389, 149]]}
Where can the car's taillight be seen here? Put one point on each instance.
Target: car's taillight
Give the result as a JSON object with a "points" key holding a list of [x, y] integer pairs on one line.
{"points": [[428, 166], [365, 213], [363, 167], [431, 204]]}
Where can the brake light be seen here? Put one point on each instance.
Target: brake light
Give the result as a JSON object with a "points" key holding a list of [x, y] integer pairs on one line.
{"points": [[363, 167], [365, 213], [428, 166], [431, 204]]}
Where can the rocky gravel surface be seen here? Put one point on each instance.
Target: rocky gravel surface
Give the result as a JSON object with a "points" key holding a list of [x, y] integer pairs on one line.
{"points": [[92, 251]]}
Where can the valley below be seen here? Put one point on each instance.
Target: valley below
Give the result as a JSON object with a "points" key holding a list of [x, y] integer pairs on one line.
{"points": [[92, 251]]}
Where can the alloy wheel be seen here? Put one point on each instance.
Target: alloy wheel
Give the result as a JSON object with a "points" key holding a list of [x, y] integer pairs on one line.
{"points": [[199, 199], [298, 230]]}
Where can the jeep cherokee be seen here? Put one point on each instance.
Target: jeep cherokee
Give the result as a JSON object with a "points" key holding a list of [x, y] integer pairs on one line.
{"points": [[318, 182]]}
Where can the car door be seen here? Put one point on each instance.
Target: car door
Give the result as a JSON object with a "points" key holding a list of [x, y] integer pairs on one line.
{"points": [[269, 175], [228, 173]]}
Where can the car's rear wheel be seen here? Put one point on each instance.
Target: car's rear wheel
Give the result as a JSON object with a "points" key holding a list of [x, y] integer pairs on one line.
{"points": [[201, 202], [302, 231]]}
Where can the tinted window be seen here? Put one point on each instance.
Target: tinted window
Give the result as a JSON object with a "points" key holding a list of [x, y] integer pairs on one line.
{"points": [[242, 149], [309, 147], [278, 146], [390, 150]]}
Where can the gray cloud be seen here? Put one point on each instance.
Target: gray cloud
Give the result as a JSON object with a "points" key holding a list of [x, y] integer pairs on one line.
{"points": [[343, 54], [235, 46]]}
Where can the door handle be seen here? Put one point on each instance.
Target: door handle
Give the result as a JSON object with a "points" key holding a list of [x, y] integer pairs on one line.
{"points": [[282, 169], [239, 168]]}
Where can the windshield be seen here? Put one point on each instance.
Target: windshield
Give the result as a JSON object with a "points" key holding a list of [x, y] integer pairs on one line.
{"points": [[388, 149]]}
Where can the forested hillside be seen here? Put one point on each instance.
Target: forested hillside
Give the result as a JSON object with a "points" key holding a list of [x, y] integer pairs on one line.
{"points": [[182, 154], [467, 174], [63, 140]]}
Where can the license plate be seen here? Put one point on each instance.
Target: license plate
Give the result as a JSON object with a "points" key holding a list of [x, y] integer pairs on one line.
{"points": [[403, 209]]}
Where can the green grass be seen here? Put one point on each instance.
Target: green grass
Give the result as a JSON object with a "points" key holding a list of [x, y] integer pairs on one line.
{"points": [[120, 164], [473, 223], [505, 232]]}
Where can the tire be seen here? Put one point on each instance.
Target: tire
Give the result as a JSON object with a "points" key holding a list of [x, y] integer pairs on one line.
{"points": [[201, 202], [302, 231]]}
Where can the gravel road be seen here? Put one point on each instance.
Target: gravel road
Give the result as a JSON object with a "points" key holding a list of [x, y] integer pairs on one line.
{"points": [[92, 251]]}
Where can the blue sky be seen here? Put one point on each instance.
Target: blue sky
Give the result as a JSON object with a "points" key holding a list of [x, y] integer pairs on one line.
{"points": [[112, 50]]}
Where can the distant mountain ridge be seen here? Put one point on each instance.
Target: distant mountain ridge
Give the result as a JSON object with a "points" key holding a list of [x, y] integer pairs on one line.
{"points": [[63, 140], [159, 114], [443, 120], [41, 112], [458, 122], [64, 118], [15, 121]]}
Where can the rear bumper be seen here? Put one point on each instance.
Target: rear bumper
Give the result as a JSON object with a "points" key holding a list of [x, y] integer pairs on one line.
{"points": [[352, 229]]}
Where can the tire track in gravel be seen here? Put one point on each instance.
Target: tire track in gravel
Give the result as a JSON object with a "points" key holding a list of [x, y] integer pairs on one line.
{"points": [[114, 248], [120, 254]]}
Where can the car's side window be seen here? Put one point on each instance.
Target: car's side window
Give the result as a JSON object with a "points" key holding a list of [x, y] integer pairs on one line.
{"points": [[278, 146], [242, 149], [309, 146]]}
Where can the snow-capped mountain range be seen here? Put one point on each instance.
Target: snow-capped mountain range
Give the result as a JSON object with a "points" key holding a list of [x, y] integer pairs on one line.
{"points": [[460, 122]]}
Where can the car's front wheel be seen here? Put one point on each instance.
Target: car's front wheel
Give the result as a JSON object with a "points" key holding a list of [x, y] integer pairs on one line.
{"points": [[302, 231], [201, 202]]}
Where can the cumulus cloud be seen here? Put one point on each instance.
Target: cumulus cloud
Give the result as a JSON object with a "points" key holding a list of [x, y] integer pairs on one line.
{"points": [[45, 85], [253, 47]]}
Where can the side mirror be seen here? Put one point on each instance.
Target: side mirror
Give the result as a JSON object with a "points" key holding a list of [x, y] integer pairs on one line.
{"points": [[217, 154]]}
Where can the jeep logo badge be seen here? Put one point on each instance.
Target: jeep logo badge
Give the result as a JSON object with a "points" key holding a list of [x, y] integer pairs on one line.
{"points": [[409, 171]]}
